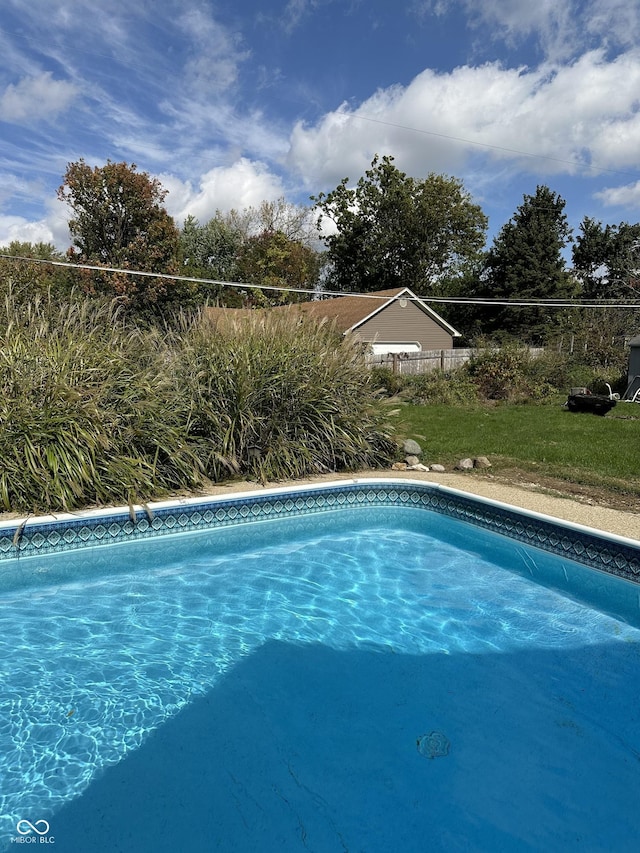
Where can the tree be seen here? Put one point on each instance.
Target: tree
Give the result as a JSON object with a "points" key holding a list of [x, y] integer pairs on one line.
{"points": [[525, 262], [393, 230], [29, 278], [273, 259], [606, 259], [271, 245], [295, 221], [211, 251], [118, 221]]}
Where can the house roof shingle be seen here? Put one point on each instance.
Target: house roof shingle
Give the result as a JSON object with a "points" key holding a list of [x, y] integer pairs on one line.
{"points": [[345, 311]]}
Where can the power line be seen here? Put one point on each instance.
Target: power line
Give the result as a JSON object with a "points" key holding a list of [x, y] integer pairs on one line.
{"points": [[36, 42], [441, 300], [519, 152]]}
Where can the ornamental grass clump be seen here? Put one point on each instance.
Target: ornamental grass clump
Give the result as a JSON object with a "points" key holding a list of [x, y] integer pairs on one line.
{"points": [[95, 410], [85, 410], [275, 395]]}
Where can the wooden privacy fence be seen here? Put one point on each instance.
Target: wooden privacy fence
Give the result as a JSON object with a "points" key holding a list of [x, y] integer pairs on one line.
{"points": [[427, 360]]}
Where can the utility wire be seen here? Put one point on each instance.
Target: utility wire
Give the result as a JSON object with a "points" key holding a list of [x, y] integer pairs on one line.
{"points": [[575, 163], [449, 300]]}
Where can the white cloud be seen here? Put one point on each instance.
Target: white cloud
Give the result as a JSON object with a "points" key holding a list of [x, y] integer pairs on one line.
{"points": [[560, 27], [16, 228], [520, 17], [511, 21], [244, 184], [565, 116], [624, 196], [617, 143], [617, 20], [205, 134], [51, 228], [216, 51], [36, 98]]}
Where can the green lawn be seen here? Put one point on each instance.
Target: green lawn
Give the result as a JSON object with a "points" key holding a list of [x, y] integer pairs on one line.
{"points": [[541, 438]]}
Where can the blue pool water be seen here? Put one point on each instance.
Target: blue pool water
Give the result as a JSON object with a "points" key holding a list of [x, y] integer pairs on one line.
{"points": [[378, 679]]}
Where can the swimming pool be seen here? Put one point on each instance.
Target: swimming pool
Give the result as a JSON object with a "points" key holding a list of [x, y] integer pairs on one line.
{"points": [[363, 666]]}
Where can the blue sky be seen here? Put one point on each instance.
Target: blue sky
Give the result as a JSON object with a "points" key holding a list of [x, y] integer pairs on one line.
{"points": [[233, 102]]}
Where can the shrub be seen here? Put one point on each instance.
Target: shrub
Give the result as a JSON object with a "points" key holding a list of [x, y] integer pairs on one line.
{"points": [[279, 396], [563, 371], [499, 374], [386, 382], [510, 373], [83, 411], [452, 387], [96, 411]]}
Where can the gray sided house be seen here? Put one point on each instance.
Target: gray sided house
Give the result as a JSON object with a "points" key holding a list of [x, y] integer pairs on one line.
{"points": [[391, 321]]}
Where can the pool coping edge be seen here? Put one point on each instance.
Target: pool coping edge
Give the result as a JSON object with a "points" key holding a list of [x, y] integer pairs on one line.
{"points": [[41, 535]]}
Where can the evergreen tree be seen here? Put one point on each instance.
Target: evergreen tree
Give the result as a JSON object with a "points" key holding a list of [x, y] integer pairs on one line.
{"points": [[606, 260], [525, 262]]}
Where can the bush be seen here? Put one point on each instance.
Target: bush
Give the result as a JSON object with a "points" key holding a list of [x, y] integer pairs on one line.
{"points": [[386, 382], [279, 396], [83, 411], [509, 374], [513, 374], [561, 372], [93, 411], [451, 387], [501, 374]]}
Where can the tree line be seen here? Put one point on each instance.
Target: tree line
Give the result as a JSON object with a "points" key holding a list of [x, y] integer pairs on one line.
{"points": [[388, 230]]}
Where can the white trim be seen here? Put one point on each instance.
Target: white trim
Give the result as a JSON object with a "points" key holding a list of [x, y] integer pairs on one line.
{"points": [[417, 301], [437, 318], [385, 347]]}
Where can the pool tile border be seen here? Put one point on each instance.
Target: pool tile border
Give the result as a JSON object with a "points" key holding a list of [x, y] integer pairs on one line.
{"points": [[613, 555]]}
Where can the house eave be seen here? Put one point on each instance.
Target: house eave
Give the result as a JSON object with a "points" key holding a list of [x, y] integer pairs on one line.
{"points": [[422, 305]]}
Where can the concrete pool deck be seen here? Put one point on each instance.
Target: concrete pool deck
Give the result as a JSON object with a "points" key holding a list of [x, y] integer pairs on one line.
{"points": [[530, 497], [618, 522]]}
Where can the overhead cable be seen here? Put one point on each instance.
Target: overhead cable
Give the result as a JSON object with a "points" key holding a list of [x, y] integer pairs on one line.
{"points": [[517, 151], [440, 300]]}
